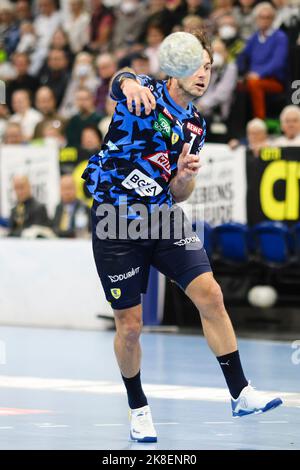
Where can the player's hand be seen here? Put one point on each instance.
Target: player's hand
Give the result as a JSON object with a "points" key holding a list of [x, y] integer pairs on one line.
{"points": [[188, 164], [138, 95]]}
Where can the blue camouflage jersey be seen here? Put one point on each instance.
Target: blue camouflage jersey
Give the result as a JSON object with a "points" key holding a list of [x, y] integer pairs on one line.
{"points": [[139, 154]]}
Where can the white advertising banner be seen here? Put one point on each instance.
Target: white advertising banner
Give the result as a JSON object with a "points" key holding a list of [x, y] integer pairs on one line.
{"points": [[40, 164], [220, 193]]}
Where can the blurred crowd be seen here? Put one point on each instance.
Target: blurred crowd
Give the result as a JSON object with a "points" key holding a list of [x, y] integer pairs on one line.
{"points": [[57, 58]]}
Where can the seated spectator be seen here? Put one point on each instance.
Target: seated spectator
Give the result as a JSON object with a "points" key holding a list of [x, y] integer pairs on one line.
{"points": [[228, 31], [243, 14], [91, 139], [285, 14], [46, 22], [109, 111], [23, 80], [55, 74], [191, 23], [139, 62], [4, 116], [60, 40], [86, 116], [101, 26], [77, 25], [27, 41], [257, 137], [157, 11], [23, 11], [13, 134], [154, 37], [9, 27], [28, 210], [45, 103], [217, 99], [83, 76], [51, 134], [290, 125], [24, 114], [129, 20], [197, 8], [221, 8], [71, 217], [264, 60], [107, 67]]}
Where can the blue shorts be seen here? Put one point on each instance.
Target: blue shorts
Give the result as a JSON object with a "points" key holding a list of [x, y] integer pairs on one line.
{"points": [[123, 265]]}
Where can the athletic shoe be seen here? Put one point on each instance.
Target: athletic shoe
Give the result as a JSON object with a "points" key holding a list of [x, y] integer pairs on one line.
{"points": [[141, 425], [251, 401]]}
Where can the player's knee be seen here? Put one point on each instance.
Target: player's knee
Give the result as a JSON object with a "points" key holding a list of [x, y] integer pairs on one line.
{"points": [[129, 329], [211, 299]]}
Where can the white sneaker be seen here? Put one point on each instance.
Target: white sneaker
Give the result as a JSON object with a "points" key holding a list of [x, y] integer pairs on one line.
{"points": [[141, 425], [251, 401]]}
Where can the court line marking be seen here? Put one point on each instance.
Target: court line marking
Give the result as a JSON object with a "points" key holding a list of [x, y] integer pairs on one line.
{"points": [[162, 391]]}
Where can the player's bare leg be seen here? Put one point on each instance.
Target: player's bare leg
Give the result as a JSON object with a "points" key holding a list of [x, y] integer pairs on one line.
{"points": [[206, 294], [128, 352]]}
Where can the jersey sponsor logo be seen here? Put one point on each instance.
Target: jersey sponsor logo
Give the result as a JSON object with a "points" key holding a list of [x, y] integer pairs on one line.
{"points": [[142, 184], [175, 138], [168, 114], [160, 159], [116, 293], [162, 125], [187, 241], [195, 129], [122, 277]]}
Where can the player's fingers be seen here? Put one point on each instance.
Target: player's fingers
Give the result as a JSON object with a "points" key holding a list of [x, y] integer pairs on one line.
{"points": [[146, 102], [194, 165], [151, 99], [129, 103], [137, 101]]}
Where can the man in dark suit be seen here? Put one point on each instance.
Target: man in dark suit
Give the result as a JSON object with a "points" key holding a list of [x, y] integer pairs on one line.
{"points": [[28, 210], [72, 218]]}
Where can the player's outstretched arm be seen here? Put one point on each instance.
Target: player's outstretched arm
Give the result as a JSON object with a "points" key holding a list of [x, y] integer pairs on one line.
{"points": [[188, 166], [127, 85]]}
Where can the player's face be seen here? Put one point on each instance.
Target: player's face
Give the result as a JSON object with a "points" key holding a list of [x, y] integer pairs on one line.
{"points": [[197, 84]]}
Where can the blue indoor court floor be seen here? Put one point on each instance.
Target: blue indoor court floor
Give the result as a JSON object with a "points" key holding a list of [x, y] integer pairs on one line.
{"points": [[61, 389]]}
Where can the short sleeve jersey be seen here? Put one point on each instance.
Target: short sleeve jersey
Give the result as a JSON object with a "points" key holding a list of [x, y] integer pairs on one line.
{"points": [[139, 154]]}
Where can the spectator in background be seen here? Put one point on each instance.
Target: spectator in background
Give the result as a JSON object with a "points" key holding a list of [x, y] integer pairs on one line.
{"points": [[109, 111], [130, 18], [91, 139], [156, 11], [27, 41], [290, 125], [198, 8], [139, 62], [86, 116], [228, 31], [23, 80], [46, 22], [45, 103], [60, 40], [107, 67], [83, 76], [221, 8], [28, 210], [216, 101], [9, 27], [177, 11], [13, 134], [257, 137], [243, 14], [4, 116], [71, 217], [154, 37], [23, 11], [51, 134], [77, 25], [55, 74], [264, 60], [24, 114], [191, 23], [101, 26], [285, 13]]}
